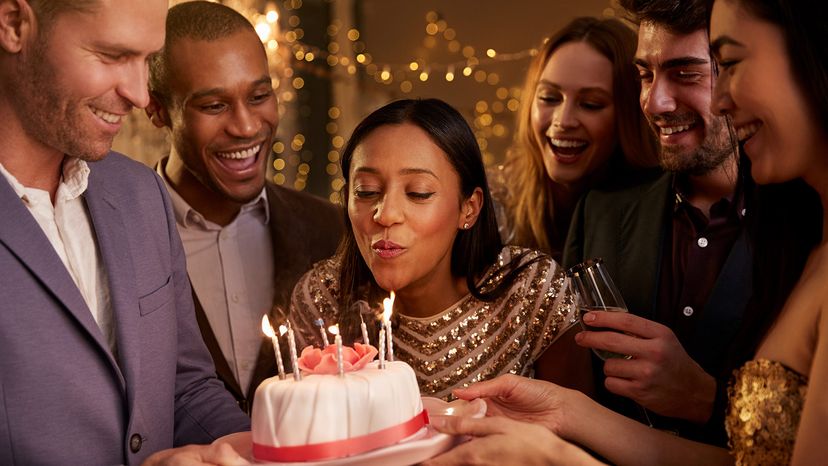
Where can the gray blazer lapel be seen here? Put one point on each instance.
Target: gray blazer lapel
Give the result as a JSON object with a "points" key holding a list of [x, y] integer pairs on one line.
{"points": [[105, 212], [23, 236]]}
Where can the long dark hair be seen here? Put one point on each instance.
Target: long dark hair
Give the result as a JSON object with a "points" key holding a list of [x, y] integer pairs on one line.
{"points": [[785, 220], [474, 249]]}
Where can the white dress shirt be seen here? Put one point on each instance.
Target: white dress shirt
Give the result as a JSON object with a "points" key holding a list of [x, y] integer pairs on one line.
{"points": [[232, 272], [68, 227]]}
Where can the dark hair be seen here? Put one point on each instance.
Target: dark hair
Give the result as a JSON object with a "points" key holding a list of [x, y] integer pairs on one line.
{"points": [[530, 206], [677, 16], [198, 20], [786, 224], [475, 249]]}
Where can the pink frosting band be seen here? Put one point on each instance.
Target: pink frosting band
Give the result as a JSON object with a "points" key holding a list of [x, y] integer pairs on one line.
{"points": [[342, 448]]}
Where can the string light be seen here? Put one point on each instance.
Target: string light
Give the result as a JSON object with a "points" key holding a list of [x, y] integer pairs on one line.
{"points": [[352, 57]]}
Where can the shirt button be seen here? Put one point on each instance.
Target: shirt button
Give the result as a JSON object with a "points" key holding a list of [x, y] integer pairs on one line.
{"points": [[702, 242], [135, 443], [687, 311]]}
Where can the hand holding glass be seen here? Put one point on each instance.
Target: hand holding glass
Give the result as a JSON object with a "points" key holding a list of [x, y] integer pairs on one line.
{"points": [[595, 291]]}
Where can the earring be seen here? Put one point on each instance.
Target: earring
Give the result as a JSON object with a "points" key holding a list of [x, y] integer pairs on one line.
{"points": [[466, 226]]}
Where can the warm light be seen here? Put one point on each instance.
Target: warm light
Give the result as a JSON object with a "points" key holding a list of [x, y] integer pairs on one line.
{"points": [[491, 53], [413, 66], [424, 76], [467, 71], [263, 31], [282, 330], [272, 16], [385, 74], [334, 329], [267, 329], [388, 307], [450, 75]]}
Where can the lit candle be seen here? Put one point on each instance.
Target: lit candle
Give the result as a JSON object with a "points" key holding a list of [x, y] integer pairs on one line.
{"points": [[340, 363], [388, 307], [294, 359], [268, 330], [321, 324], [364, 331], [381, 346]]}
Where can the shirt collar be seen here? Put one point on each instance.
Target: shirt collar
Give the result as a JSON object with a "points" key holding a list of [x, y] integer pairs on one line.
{"points": [[188, 217], [722, 207], [73, 181]]}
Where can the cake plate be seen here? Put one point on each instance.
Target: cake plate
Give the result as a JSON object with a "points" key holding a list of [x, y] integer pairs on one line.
{"points": [[426, 443]]}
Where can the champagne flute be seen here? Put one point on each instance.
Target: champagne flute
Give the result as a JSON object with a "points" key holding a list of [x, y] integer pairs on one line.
{"points": [[595, 291]]}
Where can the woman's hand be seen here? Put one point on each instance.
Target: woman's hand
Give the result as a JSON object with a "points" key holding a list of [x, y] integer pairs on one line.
{"points": [[522, 399], [496, 441]]}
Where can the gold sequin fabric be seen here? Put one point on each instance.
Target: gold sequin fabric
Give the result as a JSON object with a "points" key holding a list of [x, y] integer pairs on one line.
{"points": [[470, 341], [766, 401]]}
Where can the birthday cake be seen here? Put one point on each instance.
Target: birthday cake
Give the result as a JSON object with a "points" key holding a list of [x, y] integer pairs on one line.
{"points": [[328, 415]]}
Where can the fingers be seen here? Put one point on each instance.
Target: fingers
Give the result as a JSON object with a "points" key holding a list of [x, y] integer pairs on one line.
{"points": [[625, 322], [498, 387], [461, 425], [612, 341]]}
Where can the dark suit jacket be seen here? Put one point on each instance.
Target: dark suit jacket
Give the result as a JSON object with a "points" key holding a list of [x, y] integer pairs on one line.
{"points": [[64, 397], [627, 228], [304, 229]]}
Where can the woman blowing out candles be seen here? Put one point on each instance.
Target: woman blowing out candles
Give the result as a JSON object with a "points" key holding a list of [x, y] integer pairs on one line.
{"points": [[420, 222]]}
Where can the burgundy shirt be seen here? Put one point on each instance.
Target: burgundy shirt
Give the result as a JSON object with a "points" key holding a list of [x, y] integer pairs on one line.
{"points": [[694, 253]]}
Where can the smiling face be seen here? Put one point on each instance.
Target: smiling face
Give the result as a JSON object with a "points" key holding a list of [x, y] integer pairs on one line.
{"points": [[223, 117], [86, 71], [404, 204], [757, 88], [676, 83], [573, 113]]}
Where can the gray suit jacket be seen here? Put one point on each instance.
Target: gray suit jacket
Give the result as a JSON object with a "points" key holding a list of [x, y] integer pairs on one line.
{"points": [[64, 398]]}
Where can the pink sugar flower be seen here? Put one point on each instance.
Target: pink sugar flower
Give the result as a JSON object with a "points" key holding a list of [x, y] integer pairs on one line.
{"points": [[323, 361]]}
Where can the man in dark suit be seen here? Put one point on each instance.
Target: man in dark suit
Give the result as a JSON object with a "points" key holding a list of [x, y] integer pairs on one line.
{"points": [[247, 241], [675, 244], [101, 361]]}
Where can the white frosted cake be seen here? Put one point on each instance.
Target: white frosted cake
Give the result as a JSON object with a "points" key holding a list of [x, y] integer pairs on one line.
{"points": [[326, 416]]}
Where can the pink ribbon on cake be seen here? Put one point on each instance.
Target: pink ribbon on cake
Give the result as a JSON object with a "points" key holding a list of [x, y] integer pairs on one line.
{"points": [[342, 448]]}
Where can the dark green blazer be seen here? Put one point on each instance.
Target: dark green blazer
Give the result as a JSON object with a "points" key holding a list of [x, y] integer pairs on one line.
{"points": [[626, 227]]}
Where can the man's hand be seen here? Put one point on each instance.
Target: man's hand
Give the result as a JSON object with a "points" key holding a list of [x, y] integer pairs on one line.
{"points": [[498, 440], [226, 451], [660, 376]]}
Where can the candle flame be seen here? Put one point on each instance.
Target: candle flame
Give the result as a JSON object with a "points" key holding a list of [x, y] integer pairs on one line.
{"points": [[388, 308], [282, 330], [267, 329], [334, 329]]}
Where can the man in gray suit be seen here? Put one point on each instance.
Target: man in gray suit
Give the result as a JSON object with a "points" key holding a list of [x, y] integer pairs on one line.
{"points": [[101, 361], [247, 241], [675, 244]]}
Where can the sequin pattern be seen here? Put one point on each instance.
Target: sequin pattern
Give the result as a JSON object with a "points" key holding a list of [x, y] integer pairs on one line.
{"points": [[766, 401], [470, 341]]}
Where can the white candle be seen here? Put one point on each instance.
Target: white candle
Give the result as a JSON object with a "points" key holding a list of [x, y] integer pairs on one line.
{"points": [[294, 359], [340, 363], [364, 331], [381, 346], [321, 324], [388, 305], [268, 330]]}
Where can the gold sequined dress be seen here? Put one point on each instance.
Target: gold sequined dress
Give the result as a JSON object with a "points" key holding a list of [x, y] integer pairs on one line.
{"points": [[766, 400], [470, 341]]}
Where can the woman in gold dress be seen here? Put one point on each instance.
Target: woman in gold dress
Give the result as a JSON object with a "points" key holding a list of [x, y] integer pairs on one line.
{"points": [[773, 84], [420, 222]]}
